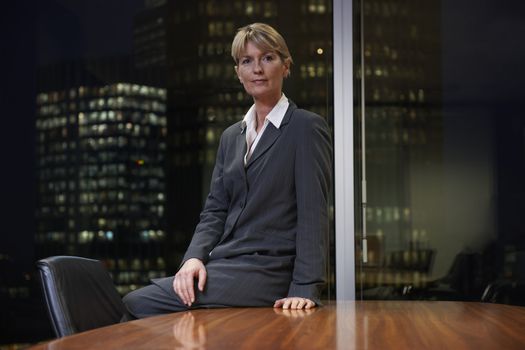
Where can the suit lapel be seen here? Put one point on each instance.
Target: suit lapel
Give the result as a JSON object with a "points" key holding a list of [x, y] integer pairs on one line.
{"points": [[240, 147], [267, 140], [270, 135]]}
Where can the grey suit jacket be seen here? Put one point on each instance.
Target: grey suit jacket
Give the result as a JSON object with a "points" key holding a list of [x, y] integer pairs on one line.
{"points": [[264, 226]]}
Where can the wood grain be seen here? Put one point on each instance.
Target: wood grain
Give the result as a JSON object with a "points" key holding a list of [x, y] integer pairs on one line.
{"points": [[341, 325]]}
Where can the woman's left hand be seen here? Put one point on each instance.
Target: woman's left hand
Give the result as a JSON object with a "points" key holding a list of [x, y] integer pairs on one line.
{"points": [[295, 303]]}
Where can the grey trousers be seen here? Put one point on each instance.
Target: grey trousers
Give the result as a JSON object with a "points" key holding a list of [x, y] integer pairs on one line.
{"points": [[228, 284], [160, 298]]}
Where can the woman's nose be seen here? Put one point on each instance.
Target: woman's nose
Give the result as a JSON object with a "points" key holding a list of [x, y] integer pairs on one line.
{"points": [[257, 68]]}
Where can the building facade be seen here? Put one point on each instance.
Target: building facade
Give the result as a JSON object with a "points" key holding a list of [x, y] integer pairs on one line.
{"points": [[101, 156]]}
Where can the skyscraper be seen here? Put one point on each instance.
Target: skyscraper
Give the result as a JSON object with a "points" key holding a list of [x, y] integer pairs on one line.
{"points": [[101, 155]]}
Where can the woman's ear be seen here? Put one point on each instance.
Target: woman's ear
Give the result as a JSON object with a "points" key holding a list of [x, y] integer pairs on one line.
{"points": [[286, 72]]}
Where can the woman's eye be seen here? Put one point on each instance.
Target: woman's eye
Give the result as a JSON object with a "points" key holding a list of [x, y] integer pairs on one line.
{"points": [[268, 58], [245, 61]]}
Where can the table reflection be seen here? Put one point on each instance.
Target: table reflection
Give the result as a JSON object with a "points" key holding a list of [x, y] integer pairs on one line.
{"points": [[189, 332], [294, 313]]}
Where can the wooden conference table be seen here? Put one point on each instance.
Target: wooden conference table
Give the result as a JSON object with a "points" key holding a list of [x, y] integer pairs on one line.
{"points": [[341, 325]]}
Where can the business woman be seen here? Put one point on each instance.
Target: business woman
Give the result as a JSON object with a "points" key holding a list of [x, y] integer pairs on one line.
{"points": [[263, 231]]}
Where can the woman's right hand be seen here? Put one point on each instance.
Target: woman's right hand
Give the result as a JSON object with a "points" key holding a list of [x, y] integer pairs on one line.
{"points": [[184, 280]]}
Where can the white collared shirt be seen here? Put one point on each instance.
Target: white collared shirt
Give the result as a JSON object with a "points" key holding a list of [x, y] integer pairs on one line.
{"points": [[249, 123]]}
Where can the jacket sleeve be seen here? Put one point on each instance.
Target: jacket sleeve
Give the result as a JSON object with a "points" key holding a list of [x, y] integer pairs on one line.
{"points": [[212, 218], [313, 168]]}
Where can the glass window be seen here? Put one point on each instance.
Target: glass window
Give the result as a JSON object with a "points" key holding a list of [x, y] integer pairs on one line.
{"points": [[444, 151]]}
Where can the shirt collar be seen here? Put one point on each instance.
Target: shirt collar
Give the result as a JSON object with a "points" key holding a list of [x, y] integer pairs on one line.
{"points": [[275, 116]]}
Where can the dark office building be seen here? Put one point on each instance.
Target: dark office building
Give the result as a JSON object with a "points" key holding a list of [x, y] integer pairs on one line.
{"points": [[101, 156], [191, 41]]}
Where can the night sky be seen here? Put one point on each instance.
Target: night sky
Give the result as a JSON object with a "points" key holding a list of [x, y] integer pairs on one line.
{"points": [[70, 29], [483, 50]]}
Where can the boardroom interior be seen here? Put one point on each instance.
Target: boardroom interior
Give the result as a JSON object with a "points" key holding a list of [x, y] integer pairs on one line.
{"points": [[115, 111]]}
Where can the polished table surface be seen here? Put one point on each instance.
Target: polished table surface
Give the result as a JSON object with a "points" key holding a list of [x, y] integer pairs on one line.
{"points": [[341, 325]]}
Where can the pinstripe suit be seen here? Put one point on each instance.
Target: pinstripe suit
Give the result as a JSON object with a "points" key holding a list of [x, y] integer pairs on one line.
{"points": [[263, 231]]}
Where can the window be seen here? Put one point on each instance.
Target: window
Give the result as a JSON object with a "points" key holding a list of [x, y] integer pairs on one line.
{"points": [[444, 152]]}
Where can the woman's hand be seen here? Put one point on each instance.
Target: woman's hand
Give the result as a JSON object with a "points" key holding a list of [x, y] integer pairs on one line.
{"points": [[294, 303], [184, 280]]}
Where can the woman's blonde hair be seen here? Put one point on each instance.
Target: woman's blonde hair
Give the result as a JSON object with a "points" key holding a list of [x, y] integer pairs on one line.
{"points": [[264, 37]]}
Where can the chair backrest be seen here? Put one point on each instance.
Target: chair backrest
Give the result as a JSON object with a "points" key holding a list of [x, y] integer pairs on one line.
{"points": [[79, 293], [505, 292]]}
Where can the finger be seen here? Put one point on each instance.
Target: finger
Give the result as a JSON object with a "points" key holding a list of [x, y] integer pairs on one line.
{"points": [[178, 288], [295, 303], [301, 303], [287, 303], [202, 279], [188, 289], [175, 284], [309, 304], [278, 303], [181, 291]]}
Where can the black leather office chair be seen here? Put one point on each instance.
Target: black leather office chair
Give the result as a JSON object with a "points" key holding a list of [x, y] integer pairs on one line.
{"points": [[505, 291], [79, 293]]}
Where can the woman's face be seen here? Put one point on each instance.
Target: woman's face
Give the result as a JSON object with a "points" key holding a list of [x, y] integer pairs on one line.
{"points": [[261, 73]]}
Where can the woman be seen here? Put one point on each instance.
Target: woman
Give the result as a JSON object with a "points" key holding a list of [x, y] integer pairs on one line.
{"points": [[262, 234]]}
